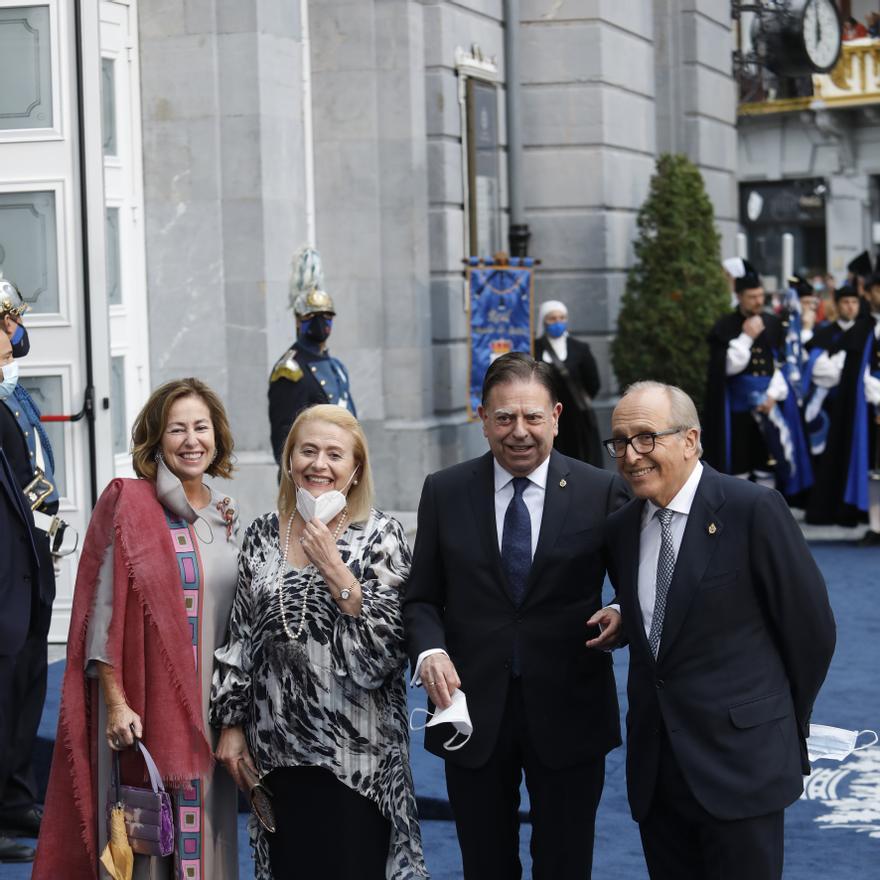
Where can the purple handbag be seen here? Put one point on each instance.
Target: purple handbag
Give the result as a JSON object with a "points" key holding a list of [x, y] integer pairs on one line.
{"points": [[149, 820]]}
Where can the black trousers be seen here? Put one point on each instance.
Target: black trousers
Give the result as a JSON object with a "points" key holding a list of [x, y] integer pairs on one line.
{"points": [[18, 785], [7, 710], [485, 803], [683, 842], [324, 828]]}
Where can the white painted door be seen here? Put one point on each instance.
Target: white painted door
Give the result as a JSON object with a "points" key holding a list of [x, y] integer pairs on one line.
{"points": [[123, 193], [41, 241]]}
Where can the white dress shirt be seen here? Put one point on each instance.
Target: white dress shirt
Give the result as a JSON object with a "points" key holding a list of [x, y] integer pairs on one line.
{"points": [[649, 541], [533, 496]]}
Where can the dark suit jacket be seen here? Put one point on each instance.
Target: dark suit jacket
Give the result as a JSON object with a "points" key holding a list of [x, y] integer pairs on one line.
{"points": [[747, 639], [457, 598], [14, 444], [19, 569]]}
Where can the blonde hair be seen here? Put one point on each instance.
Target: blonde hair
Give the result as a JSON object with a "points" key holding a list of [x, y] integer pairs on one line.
{"points": [[151, 421], [360, 494]]}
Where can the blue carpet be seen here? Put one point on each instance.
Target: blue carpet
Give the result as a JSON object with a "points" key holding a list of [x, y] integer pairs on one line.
{"points": [[833, 831]]}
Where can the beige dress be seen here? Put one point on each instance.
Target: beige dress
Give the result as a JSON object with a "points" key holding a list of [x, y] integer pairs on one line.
{"points": [[219, 566]]}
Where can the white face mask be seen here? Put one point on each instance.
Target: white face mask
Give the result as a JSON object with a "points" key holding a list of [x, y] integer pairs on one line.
{"points": [[10, 379], [455, 714], [325, 507], [834, 743]]}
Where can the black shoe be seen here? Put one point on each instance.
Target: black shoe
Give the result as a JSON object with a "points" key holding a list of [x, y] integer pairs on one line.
{"points": [[22, 823], [869, 539], [13, 851]]}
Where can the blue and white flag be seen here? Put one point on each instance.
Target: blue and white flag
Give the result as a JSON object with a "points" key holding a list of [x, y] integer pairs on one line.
{"points": [[500, 317]]}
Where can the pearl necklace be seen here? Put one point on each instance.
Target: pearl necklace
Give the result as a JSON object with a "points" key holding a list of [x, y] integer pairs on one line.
{"points": [[309, 588]]}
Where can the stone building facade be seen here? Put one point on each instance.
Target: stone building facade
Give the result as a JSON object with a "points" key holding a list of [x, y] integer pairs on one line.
{"points": [[250, 127]]}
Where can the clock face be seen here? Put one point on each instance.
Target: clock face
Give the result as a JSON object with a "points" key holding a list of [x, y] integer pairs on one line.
{"points": [[821, 29]]}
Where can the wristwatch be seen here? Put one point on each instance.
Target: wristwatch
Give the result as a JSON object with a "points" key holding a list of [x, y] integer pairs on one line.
{"points": [[345, 592]]}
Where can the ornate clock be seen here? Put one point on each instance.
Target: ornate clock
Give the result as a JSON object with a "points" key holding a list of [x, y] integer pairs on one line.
{"points": [[798, 37]]}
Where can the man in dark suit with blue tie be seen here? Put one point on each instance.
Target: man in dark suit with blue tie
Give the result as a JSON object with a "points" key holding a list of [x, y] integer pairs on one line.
{"points": [[504, 592], [19, 593], [730, 636]]}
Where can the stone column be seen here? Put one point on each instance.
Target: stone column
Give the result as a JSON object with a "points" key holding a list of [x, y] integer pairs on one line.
{"points": [[223, 184]]}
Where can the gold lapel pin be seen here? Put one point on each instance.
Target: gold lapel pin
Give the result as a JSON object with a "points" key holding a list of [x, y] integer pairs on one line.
{"points": [[562, 484], [712, 528]]}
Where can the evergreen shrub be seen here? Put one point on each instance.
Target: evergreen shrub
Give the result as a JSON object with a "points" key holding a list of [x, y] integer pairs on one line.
{"points": [[677, 288]]}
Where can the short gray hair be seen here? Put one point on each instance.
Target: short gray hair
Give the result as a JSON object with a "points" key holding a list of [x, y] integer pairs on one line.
{"points": [[682, 409]]}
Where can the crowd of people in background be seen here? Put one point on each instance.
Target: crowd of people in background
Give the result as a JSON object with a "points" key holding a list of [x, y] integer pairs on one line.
{"points": [[853, 29], [794, 388]]}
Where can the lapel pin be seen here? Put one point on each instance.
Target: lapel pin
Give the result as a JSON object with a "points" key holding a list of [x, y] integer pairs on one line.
{"points": [[562, 484], [712, 528]]}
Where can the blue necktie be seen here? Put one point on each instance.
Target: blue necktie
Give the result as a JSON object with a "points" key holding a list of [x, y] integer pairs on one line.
{"points": [[665, 570], [516, 542]]}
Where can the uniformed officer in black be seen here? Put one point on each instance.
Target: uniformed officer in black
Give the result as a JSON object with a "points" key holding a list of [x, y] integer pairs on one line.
{"points": [[29, 455], [19, 600], [306, 373]]}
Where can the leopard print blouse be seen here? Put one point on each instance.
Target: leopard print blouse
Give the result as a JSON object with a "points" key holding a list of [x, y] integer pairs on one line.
{"points": [[336, 696]]}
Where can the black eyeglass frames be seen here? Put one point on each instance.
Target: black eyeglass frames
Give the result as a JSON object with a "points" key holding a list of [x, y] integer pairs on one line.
{"points": [[643, 443]]}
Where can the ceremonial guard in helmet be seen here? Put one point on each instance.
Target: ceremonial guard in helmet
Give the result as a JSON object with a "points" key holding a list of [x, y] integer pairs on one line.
{"points": [[30, 462], [306, 373]]}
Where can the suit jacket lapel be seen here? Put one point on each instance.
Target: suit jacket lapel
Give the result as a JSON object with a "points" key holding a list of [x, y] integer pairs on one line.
{"points": [[697, 546], [482, 497]]}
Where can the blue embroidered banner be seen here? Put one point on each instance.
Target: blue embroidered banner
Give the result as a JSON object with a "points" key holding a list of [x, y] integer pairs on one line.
{"points": [[500, 317]]}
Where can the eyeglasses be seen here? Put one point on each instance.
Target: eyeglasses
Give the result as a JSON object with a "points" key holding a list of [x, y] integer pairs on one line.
{"points": [[642, 443]]}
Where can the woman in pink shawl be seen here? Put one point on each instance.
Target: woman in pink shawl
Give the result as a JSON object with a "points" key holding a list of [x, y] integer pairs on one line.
{"points": [[153, 594]]}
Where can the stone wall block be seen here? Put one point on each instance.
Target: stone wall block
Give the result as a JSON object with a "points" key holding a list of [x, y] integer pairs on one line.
{"points": [[343, 37], [568, 240], [443, 115], [238, 75], [446, 237], [279, 18], [709, 93], [567, 115], [565, 53], [710, 142], [721, 188], [628, 121], [448, 317], [707, 42], [236, 16], [630, 15], [240, 156], [451, 364], [626, 178], [347, 106], [563, 178], [162, 19], [180, 78], [445, 183]]}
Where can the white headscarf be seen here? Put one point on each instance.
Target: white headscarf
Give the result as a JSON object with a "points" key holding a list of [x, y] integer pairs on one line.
{"points": [[559, 345]]}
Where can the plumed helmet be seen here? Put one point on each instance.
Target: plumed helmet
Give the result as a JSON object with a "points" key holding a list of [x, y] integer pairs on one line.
{"points": [[307, 295], [11, 302], [313, 301]]}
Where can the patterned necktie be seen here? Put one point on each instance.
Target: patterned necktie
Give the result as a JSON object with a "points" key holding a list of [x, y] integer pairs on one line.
{"points": [[665, 568], [516, 542]]}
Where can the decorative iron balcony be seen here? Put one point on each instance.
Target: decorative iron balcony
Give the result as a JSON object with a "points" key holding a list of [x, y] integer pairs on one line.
{"points": [[853, 82]]}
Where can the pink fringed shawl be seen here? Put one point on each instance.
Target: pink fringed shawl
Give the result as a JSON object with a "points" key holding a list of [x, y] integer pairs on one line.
{"points": [[150, 647]]}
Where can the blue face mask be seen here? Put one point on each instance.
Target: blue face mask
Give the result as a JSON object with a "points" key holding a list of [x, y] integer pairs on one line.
{"points": [[21, 345], [10, 379], [556, 329]]}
